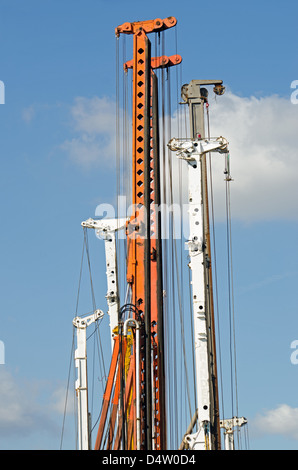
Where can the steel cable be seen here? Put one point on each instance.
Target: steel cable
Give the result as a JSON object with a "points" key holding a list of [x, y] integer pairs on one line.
{"points": [[215, 268], [234, 384]]}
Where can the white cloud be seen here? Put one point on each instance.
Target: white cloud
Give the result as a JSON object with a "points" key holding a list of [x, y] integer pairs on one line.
{"points": [[29, 406], [58, 400], [28, 113], [262, 135], [267, 281], [282, 420], [94, 116], [93, 121]]}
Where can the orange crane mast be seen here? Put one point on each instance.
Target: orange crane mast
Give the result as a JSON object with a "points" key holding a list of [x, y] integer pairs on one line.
{"points": [[144, 265]]}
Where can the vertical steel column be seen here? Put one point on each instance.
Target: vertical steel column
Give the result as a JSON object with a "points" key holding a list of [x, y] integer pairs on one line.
{"points": [[161, 441], [81, 324], [147, 248], [144, 268], [196, 96]]}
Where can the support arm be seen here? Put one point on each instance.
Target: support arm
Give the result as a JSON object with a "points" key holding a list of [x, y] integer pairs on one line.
{"points": [[106, 229]]}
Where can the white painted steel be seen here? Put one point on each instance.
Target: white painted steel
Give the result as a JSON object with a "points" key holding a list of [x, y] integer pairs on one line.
{"points": [[228, 425], [81, 384], [191, 151], [106, 229]]}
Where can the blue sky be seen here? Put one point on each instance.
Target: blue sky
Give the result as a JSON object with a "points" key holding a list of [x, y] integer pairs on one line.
{"points": [[58, 67]]}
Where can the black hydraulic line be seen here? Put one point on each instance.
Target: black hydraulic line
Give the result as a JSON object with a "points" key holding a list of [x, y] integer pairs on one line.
{"points": [[147, 251], [160, 313]]}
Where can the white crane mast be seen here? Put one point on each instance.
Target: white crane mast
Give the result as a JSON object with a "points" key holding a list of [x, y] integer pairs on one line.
{"points": [[81, 385], [106, 229], [192, 151]]}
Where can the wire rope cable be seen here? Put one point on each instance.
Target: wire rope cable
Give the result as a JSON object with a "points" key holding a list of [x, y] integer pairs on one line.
{"points": [[67, 390], [233, 353], [215, 267]]}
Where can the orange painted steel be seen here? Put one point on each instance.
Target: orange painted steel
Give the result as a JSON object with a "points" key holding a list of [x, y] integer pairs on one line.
{"points": [[149, 26], [115, 404], [158, 62], [112, 395], [136, 244], [144, 147], [107, 394], [127, 412], [130, 392], [143, 92], [136, 235]]}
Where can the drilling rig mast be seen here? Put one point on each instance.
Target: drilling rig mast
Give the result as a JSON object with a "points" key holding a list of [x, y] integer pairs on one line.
{"points": [[133, 414], [144, 263]]}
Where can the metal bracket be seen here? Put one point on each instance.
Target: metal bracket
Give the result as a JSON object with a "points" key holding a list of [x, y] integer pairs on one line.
{"points": [[200, 439], [188, 149], [84, 322], [193, 90], [195, 246], [105, 226], [228, 425]]}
